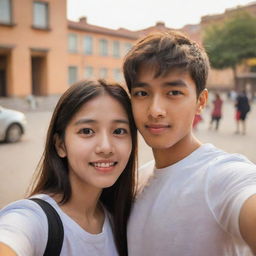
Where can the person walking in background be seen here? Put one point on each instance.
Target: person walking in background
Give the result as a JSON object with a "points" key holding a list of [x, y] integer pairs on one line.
{"points": [[87, 174], [242, 106], [197, 119], [216, 111]]}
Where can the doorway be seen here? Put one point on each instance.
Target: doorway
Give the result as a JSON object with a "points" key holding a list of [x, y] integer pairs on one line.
{"points": [[38, 75], [3, 75]]}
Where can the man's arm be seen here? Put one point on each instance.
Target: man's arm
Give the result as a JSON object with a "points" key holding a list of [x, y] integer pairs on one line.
{"points": [[247, 222], [6, 250]]}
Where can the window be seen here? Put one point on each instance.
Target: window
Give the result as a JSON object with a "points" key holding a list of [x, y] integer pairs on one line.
{"points": [[40, 17], [103, 73], [103, 47], [5, 11], [88, 72], [72, 43], [88, 45], [72, 74], [127, 47], [116, 49], [117, 75]]}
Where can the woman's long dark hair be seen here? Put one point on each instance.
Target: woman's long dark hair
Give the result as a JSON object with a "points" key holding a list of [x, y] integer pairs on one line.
{"points": [[52, 176]]}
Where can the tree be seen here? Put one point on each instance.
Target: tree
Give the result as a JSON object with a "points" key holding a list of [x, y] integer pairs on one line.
{"points": [[230, 43]]}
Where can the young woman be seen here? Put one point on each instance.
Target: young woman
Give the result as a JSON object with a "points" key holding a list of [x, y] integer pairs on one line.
{"points": [[87, 173]]}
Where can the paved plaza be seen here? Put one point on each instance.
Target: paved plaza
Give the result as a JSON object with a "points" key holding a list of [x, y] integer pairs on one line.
{"points": [[19, 160]]}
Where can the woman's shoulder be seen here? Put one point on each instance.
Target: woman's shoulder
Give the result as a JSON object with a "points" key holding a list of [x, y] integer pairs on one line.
{"points": [[24, 227], [23, 209]]}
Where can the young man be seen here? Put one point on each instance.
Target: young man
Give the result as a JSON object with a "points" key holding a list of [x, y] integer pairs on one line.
{"points": [[198, 200]]}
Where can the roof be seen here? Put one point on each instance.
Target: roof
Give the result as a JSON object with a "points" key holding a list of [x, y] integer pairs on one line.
{"points": [[84, 26], [192, 30], [251, 5]]}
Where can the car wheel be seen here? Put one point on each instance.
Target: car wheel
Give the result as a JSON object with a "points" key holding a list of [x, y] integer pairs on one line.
{"points": [[13, 133]]}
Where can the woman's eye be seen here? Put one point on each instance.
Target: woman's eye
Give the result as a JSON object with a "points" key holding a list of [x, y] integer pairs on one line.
{"points": [[140, 93], [175, 93], [120, 131], [86, 131]]}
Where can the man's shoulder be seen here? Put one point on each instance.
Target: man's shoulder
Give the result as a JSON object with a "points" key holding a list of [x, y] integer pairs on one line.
{"points": [[227, 159], [231, 166], [145, 172], [216, 156], [147, 166]]}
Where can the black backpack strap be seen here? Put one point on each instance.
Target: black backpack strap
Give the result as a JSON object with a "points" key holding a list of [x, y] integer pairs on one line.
{"points": [[55, 228]]}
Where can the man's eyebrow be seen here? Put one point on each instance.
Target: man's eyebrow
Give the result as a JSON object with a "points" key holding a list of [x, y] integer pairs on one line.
{"points": [[178, 83]]}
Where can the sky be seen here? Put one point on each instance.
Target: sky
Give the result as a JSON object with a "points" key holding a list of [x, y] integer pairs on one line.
{"points": [[140, 14]]}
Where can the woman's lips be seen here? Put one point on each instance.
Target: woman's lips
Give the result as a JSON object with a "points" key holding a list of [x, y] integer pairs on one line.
{"points": [[104, 166]]}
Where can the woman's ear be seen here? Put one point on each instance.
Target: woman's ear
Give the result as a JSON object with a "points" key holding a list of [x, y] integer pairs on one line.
{"points": [[59, 146], [202, 101]]}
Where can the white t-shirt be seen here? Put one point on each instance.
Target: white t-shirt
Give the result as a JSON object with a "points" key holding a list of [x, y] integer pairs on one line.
{"points": [[192, 207], [24, 228]]}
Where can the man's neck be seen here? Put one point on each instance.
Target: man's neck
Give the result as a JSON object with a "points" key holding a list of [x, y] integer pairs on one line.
{"points": [[169, 156]]}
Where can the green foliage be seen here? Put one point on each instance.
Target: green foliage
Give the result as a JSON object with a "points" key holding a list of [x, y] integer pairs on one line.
{"points": [[228, 44]]}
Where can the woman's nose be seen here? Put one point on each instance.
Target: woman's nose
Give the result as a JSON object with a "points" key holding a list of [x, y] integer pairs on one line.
{"points": [[105, 145]]}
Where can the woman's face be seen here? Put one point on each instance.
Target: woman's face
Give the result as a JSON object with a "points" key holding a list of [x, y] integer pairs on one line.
{"points": [[97, 143]]}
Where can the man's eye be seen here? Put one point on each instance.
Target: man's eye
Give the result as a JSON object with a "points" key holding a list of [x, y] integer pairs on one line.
{"points": [[86, 131], [140, 93], [175, 93], [120, 131]]}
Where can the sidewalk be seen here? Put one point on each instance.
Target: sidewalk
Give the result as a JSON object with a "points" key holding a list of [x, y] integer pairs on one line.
{"points": [[27, 104]]}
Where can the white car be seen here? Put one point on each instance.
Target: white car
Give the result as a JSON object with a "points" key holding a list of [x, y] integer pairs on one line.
{"points": [[12, 125]]}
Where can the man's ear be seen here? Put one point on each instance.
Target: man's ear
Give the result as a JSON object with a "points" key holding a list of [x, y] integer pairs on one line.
{"points": [[202, 101], [59, 146]]}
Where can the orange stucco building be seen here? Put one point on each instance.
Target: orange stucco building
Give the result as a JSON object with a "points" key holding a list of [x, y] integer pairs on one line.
{"points": [[42, 53], [33, 48], [96, 52]]}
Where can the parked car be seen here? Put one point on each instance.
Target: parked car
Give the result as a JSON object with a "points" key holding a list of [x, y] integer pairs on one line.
{"points": [[12, 125]]}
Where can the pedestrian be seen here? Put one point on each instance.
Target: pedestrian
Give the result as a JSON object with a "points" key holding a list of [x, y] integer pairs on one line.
{"points": [[87, 173], [197, 200], [216, 111], [197, 119], [242, 106]]}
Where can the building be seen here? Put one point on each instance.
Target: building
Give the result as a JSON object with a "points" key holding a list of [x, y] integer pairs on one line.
{"points": [[230, 12], [42, 53], [33, 47], [96, 52]]}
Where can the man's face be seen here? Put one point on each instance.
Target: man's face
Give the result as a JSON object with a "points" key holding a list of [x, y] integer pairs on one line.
{"points": [[164, 107]]}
